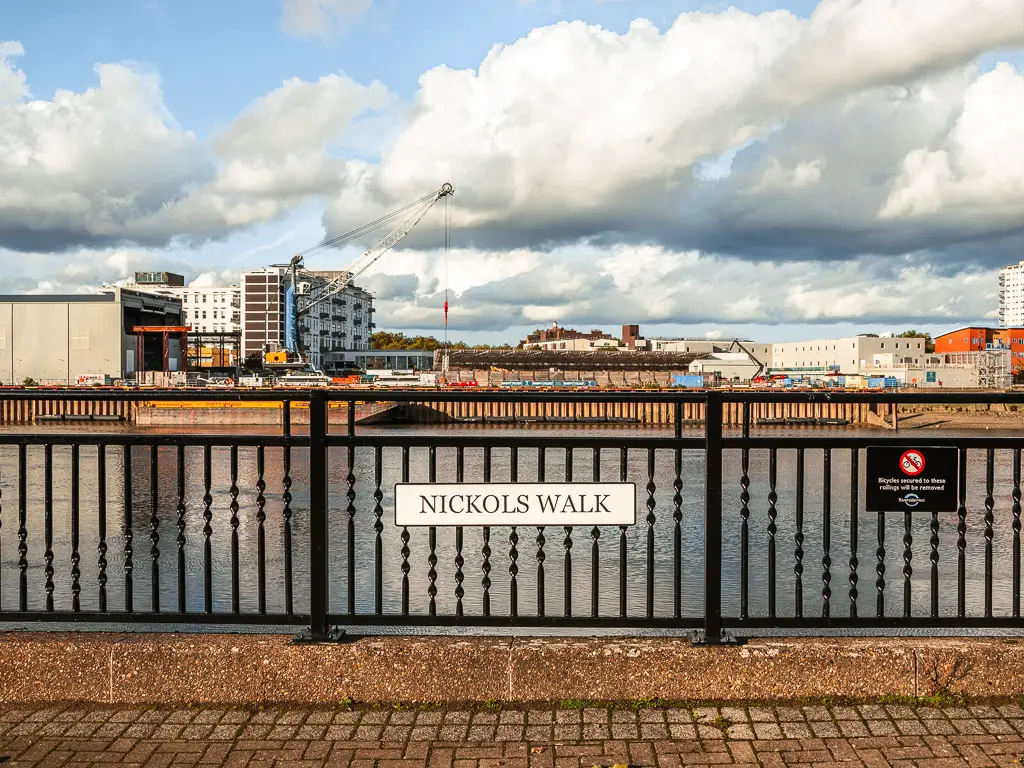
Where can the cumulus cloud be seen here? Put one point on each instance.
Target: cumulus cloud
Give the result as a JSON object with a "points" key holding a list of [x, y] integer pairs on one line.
{"points": [[321, 18], [12, 80], [586, 285]]}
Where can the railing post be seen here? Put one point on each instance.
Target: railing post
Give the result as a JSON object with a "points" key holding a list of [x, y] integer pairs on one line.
{"points": [[713, 634], [319, 629]]}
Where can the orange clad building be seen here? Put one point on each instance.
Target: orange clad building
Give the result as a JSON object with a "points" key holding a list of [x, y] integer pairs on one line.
{"points": [[979, 339]]}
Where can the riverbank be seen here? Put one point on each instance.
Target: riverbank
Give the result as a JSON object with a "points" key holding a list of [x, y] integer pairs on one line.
{"points": [[137, 669]]}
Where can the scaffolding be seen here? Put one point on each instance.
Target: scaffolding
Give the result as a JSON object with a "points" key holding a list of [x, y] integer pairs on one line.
{"points": [[993, 366]]}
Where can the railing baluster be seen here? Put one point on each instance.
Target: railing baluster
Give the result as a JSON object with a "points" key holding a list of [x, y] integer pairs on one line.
{"points": [[567, 545], [48, 523], [595, 550], [934, 586], [623, 476], [990, 467], [129, 564], [854, 509], [880, 567], [1016, 532], [460, 561], [744, 518], [378, 529], [773, 498], [350, 509], [207, 530], [432, 537], [650, 520], [826, 533], [319, 531], [541, 557], [1, 540], [76, 558], [961, 539], [154, 523], [101, 525], [22, 528], [798, 567], [513, 540], [485, 550], [405, 540], [261, 536], [182, 603], [286, 512], [233, 506], [908, 556], [677, 517]]}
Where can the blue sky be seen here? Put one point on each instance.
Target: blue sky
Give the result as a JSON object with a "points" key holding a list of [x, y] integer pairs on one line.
{"points": [[215, 60]]}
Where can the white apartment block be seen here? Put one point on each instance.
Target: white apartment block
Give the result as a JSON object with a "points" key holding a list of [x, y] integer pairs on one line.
{"points": [[343, 322], [575, 345], [848, 355], [1011, 295]]}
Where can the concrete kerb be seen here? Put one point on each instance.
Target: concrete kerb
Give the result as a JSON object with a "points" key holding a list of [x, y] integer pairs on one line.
{"points": [[108, 668]]}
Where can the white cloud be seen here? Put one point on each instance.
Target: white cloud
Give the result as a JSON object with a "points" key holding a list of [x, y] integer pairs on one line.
{"points": [[321, 18], [12, 80], [975, 172]]}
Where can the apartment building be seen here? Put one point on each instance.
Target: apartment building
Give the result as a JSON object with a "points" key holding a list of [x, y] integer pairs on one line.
{"points": [[342, 323], [982, 339], [1011, 295]]}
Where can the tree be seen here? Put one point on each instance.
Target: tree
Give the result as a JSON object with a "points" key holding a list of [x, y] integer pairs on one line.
{"points": [[929, 345]]}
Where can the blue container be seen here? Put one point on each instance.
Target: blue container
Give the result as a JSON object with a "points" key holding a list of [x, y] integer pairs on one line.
{"points": [[876, 382], [890, 382], [694, 381]]}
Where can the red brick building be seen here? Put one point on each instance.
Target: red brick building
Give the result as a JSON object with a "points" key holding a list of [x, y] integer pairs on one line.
{"points": [[978, 339]]}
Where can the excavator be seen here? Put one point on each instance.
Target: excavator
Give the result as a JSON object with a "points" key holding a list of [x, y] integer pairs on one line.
{"points": [[306, 292]]}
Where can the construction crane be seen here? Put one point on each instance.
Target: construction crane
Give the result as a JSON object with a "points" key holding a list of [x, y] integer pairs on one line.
{"points": [[307, 292]]}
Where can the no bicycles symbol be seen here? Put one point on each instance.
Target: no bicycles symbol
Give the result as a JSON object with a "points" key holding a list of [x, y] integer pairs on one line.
{"points": [[912, 463]]}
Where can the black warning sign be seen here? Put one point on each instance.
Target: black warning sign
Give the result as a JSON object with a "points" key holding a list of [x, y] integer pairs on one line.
{"points": [[912, 477]]}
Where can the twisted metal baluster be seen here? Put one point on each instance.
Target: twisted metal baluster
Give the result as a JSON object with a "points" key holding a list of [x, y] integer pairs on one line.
{"points": [[541, 556], [76, 558], [460, 561], [378, 529], [432, 538], [773, 513], [207, 530], [961, 538], [513, 540], [1016, 532], [650, 520], [595, 547], [567, 545], [48, 570], [798, 567], [623, 476], [101, 503], [934, 542], [405, 540], [854, 508], [154, 524], [180, 541], [880, 567], [989, 533], [261, 536], [485, 550], [233, 506], [745, 531], [1, 540], [129, 535], [826, 534], [22, 528], [677, 524], [286, 514], [908, 556]]}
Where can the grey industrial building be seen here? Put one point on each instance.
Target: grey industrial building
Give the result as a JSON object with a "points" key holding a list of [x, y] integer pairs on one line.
{"points": [[55, 339]]}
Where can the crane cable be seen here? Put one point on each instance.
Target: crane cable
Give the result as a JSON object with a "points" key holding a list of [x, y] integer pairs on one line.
{"points": [[340, 240], [447, 246]]}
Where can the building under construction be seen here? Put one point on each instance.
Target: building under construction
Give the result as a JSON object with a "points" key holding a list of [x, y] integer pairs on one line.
{"points": [[489, 367]]}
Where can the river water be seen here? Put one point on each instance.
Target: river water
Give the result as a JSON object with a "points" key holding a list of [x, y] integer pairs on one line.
{"points": [[691, 528]]}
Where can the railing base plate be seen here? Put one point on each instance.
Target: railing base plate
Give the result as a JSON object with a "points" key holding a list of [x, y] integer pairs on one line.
{"points": [[698, 637], [335, 635]]}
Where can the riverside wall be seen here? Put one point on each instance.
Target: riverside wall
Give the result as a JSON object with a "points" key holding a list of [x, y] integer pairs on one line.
{"points": [[498, 411]]}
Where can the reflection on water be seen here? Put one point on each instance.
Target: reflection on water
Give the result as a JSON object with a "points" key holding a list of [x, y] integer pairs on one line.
{"points": [[583, 546]]}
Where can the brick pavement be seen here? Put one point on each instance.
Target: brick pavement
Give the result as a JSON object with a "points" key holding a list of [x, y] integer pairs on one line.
{"points": [[872, 735]]}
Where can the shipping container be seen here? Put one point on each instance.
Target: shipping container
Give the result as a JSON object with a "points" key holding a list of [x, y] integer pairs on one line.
{"points": [[695, 381]]}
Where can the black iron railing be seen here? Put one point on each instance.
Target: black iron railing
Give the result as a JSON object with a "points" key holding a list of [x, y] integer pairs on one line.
{"points": [[742, 530]]}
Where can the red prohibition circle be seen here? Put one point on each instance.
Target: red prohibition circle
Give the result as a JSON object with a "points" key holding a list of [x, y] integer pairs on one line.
{"points": [[912, 463]]}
